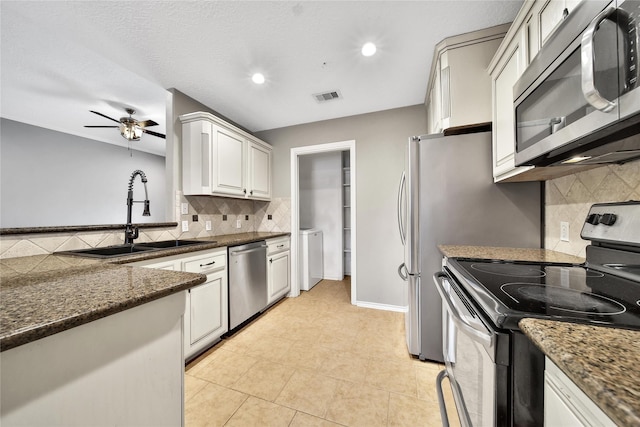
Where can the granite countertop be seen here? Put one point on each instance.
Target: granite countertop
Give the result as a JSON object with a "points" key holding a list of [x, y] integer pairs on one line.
{"points": [[508, 254], [603, 362], [45, 294]]}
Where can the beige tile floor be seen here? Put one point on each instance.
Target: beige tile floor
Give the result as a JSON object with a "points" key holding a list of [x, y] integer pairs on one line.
{"points": [[315, 360]]}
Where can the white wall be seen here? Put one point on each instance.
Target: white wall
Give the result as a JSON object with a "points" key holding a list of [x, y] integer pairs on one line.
{"points": [[320, 189], [50, 178], [381, 140]]}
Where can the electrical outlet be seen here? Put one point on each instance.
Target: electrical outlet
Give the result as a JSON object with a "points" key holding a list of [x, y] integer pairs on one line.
{"points": [[207, 225], [184, 208], [238, 223], [564, 231], [185, 226]]}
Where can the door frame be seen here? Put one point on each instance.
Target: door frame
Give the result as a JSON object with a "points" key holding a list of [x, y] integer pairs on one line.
{"points": [[296, 152]]}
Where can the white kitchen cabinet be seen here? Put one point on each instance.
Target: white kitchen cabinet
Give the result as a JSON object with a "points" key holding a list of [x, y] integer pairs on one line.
{"points": [[565, 404], [222, 160], [259, 171], [504, 74], [206, 305], [550, 14], [459, 88], [278, 268]]}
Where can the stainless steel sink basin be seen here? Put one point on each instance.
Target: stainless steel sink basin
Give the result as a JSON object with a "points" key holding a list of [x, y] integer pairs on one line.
{"points": [[108, 251], [171, 244], [127, 249]]}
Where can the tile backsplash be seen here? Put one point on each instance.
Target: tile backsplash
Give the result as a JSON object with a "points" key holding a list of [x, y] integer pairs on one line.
{"points": [[569, 198], [206, 208]]}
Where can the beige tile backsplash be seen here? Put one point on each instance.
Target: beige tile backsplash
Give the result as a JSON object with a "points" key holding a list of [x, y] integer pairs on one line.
{"points": [[207, 208], [569, 198]]}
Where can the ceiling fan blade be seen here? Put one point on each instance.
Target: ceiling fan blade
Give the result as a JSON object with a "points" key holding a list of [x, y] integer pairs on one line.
{"points": [[106, 117], [147, 123], [101, 126], [159, 135]]}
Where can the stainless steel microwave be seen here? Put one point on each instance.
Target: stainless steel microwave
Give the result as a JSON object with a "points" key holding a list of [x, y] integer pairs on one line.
{"points": [[578, 102]]}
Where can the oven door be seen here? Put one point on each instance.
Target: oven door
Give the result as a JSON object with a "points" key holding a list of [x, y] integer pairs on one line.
{"points": [[469, 355]]}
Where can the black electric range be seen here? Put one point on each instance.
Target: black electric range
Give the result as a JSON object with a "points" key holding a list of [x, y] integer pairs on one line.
{"points": [[509, 291], [496, 373]]}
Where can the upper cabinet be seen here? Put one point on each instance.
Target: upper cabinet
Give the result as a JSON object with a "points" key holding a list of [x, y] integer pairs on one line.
{"points": [[220, 159], [532, 27], [459, 90]]}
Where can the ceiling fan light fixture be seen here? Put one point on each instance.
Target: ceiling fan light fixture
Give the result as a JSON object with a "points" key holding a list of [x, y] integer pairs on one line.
{"points": [[130, 131]]}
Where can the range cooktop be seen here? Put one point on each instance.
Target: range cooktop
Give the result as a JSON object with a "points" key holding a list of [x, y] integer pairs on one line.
{"points": [[509, 291]]}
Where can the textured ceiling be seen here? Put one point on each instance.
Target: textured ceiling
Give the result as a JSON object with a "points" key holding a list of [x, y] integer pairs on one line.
{"points": [[62, 58]]}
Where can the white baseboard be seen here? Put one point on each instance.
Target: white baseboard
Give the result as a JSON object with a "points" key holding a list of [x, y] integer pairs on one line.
{"points": [[386, 307]]}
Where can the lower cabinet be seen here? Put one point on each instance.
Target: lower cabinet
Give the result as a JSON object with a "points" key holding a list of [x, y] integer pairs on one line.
{"points": [[565, 404], [206, 309], [278, 268]]}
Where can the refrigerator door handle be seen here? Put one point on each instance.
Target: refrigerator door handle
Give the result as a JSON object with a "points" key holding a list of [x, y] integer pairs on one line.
{"points": [[403, 182], [402, 272]]}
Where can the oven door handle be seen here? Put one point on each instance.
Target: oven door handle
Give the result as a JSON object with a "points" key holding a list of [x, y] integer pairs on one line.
{"points": [[587, 59], [475, 330]]}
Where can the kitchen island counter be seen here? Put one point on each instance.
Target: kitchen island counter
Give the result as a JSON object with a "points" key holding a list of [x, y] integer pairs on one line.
{"points": [[46, 294], [42, 295], [603, 362], [508, 254]]}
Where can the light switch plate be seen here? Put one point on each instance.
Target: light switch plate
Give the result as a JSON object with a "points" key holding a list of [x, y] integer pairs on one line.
{"points": [[185, 226], [564, 231], [184, 208], [238, 223], [207, 225]]}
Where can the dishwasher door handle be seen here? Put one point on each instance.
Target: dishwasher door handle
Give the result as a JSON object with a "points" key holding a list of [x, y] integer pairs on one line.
{"points": [[246, 251]]}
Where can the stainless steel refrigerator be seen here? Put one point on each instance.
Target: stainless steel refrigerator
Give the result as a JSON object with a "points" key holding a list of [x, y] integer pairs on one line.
{"points": [[447, 196]]}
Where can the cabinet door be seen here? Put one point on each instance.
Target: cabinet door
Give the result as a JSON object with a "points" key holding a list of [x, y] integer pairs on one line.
{"points": [[507, 74], [207, 317], [279, 278], [228, 171], [259, 178]]}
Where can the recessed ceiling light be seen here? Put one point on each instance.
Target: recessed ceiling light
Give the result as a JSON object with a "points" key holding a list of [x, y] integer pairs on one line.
{"points": [[258, 78], [368, 49]]}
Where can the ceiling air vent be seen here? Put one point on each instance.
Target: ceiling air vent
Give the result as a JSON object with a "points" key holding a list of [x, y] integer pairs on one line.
{"points": [[327, 96]]}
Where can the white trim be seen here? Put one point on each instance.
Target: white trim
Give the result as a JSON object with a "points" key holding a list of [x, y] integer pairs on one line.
{"points": [[386, 307], [295, 209]]}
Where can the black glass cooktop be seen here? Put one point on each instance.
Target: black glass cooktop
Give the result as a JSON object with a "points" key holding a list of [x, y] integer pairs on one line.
{"points": [[508, 291]]}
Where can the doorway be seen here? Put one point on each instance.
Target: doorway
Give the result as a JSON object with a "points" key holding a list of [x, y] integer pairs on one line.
{"points": [[347, 176]]}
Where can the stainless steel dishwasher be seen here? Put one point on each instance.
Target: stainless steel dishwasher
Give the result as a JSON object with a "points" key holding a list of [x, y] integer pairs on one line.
{"points": [[247, 281]]}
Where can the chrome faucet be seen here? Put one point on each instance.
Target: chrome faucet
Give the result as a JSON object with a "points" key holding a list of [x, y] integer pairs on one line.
{"points": [[131, 232]]}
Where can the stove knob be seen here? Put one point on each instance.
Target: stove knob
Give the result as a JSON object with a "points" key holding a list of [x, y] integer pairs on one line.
{"points": [[608, 219], [593, 219]]}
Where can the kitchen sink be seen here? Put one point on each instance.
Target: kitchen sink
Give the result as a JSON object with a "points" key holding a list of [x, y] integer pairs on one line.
{"points": [[109, 251], [127, 249], [172, 243]]}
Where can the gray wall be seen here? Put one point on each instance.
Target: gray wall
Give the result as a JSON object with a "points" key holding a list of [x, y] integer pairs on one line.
{"points": [[50, 178], [380, 149]]}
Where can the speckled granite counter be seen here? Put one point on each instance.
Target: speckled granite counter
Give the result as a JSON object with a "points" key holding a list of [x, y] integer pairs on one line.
{"points": [[509, 254], [603, 362], [46, 294]]}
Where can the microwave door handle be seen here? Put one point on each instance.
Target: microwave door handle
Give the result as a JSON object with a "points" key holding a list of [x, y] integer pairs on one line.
{"points": [[587, 57], [403, 183], [402, 272], [480, 335]]}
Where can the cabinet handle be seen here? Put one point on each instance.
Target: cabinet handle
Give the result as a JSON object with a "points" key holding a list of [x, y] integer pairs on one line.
{"points": [[281, 246], [565, 13], [244, 190], [251, 192], [271, 260], [210, 263]]}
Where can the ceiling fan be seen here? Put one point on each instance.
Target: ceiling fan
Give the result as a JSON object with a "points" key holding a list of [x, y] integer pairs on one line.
{"points": [[130, 128]]}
